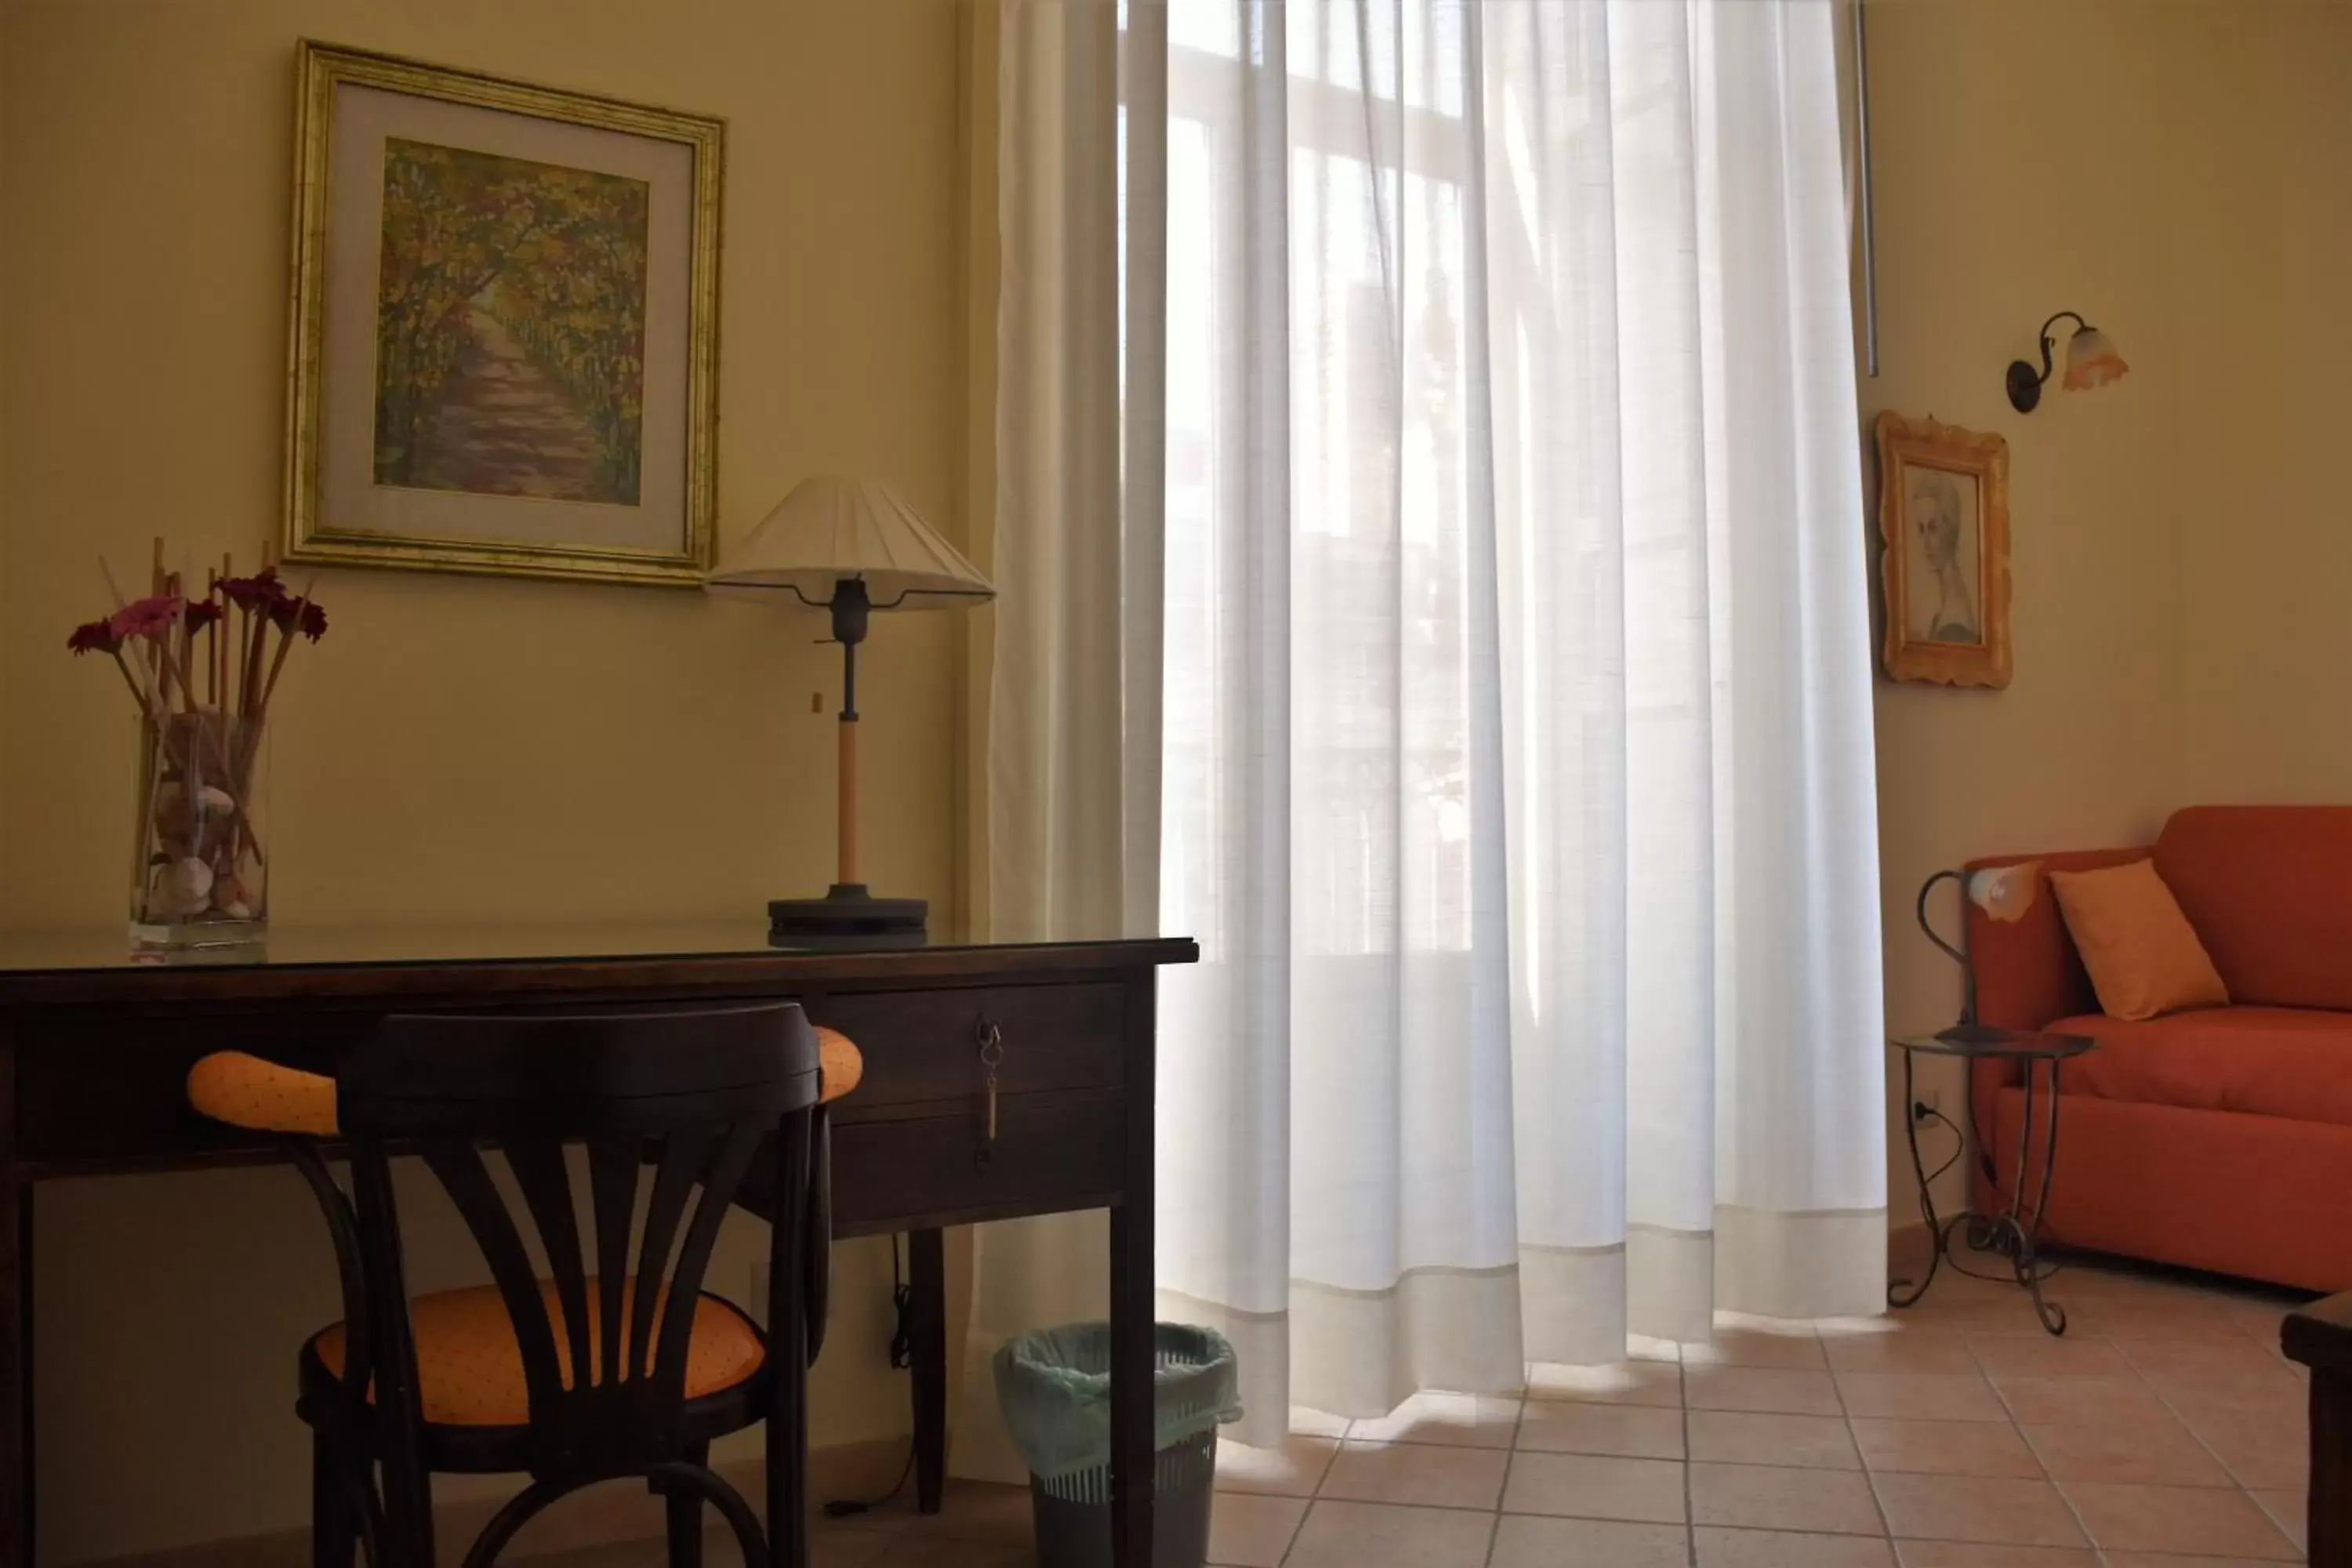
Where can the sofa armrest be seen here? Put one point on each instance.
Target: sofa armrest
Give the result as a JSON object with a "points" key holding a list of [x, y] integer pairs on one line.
{"points": [[2028, 977], [2028, 974]]}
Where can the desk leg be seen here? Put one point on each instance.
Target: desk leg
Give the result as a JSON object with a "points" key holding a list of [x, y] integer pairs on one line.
{"points": [[16, 1536], [926, 1310], [1131, 1368], [1134, 1294], [2329, 1517]]}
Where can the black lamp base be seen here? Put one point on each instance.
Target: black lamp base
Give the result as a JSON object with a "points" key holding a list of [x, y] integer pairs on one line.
{"points": [[1969, 1032], [847, 912]]}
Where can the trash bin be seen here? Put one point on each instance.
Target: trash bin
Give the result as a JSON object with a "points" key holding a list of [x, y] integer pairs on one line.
{"points": [[1054, 1387]]}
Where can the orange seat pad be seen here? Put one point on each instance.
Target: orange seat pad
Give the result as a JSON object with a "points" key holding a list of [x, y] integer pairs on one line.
{"points": [[246, 1091], [2289, 1062], [470, 1367]]}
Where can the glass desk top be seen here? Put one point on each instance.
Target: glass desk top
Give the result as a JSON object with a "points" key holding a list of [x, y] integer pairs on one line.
{"points": [[101, 949], [1984, 1040]]}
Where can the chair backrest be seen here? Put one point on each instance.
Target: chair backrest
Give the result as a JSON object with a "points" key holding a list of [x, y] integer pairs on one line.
{"points": [[683, 1097]]}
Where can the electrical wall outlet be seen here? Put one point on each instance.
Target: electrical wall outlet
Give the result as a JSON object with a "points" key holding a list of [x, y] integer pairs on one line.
{"points": [[1927, 1102]]}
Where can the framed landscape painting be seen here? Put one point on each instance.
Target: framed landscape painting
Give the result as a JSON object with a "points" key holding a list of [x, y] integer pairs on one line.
{"points": [[504, 338], [1943, 524]]}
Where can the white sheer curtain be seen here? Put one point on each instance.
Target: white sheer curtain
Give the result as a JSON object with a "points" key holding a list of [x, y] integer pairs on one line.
{"points": [[1517, 757], [1073, 745]]}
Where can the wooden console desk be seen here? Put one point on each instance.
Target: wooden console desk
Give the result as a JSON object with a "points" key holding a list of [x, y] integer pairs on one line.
{"points": [[94, 1047], [2319, 1336]]}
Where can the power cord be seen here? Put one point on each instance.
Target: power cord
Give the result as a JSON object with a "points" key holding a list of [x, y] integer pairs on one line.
{"points": [[902, 1356], [1923, 1111]]}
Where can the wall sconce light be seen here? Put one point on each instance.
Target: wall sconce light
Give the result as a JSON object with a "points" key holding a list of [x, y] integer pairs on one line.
{"points": [[2090, 361]]}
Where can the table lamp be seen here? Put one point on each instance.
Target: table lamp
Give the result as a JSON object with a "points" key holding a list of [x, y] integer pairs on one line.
{"points": [[2004, 892], [848, 546]]}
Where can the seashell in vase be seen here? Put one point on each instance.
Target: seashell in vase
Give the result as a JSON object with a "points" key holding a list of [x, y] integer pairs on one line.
{"points": [[187, 886]]}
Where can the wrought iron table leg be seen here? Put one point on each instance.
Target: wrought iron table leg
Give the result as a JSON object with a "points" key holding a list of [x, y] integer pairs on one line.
{"points": [[1894, 1298], [2029, 1238], [2011, 1233], [2008, 1232]]}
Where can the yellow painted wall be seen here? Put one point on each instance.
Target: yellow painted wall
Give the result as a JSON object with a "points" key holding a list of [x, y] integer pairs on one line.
{"points": [[2182, 551], [2006, 192], [2262, 249], [456, 749]]}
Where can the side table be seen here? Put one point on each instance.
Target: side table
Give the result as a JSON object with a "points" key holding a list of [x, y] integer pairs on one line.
{"points": [[2015, 1233]]}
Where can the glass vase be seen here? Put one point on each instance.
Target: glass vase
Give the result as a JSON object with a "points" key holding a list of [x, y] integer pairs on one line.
{"points": [[200, 866]]}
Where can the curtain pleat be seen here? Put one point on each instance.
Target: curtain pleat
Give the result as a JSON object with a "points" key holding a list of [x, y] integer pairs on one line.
{"points": [[1074, 743], [1490, 606]]}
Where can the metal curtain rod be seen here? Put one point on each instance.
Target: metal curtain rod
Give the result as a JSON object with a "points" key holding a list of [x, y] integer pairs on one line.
{"points": [[1861, 171]]}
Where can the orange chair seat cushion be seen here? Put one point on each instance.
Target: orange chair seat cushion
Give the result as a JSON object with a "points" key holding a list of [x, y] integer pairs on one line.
{"points": [[2288, 1062], [244, 1090], [470, 1367], [842, 1064]]}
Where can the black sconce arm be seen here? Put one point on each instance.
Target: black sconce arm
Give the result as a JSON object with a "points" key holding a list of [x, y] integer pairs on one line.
{"points": [[2049, 342], [2024, 386]]}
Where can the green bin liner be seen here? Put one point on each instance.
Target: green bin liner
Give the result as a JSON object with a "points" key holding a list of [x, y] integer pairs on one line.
{"points": [[1054, 1387]]}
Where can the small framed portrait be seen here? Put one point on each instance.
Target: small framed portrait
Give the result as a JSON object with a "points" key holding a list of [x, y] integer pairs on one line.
{"points": [[504, 326], [1943, 523]]}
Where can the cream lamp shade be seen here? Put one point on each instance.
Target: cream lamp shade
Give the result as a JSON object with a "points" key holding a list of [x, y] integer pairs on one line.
{"points": [[849, 547], [830, 529]]}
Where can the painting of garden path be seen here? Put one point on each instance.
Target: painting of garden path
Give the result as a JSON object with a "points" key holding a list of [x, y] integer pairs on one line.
{"points": [[510, 323]]}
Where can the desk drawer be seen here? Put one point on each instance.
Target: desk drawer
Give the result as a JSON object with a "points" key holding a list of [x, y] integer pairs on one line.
{"points": [[925, 1044], [1053, 1152]]}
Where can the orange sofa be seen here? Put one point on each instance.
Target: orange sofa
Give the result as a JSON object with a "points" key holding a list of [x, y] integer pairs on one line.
{"points": [[2217, 1139]]}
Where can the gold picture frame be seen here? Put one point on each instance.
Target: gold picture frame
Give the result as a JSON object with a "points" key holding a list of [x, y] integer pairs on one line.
{"points": [[1943, 528], [562, 419]]}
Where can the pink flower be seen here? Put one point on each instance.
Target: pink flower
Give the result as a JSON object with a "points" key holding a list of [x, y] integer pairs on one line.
{"points": [[202, 614], [314, 621], [148, 617], [94, 636]]}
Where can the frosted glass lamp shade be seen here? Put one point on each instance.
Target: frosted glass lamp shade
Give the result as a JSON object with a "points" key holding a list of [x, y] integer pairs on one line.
{"points": [[2092, 360], [831, 528], [2006, 892]]}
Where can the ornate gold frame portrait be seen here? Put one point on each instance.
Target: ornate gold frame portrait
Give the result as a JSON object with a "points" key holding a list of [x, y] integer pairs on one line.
{"points": [[1943, 525], [504, 336]]}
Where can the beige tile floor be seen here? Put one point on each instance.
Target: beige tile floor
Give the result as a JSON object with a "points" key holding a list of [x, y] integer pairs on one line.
{"points": [[2164, 1431]]}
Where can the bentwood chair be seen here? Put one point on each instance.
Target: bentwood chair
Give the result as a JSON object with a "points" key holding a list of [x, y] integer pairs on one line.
{"points": [[614, 1362]]}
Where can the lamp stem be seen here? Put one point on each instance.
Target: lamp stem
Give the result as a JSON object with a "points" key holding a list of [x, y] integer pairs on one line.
{"points": [[847, 874], [1959, 954], [849, 608]]}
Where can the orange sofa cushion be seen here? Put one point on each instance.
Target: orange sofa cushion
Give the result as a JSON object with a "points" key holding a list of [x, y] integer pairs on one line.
{"points": [[2269, 888], [2263, 1062], [2028, 972], [2142, 953], [470, 1367]]}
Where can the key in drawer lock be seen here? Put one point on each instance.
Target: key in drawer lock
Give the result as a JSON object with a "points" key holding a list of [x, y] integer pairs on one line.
{"points": [[991, 1040]]}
